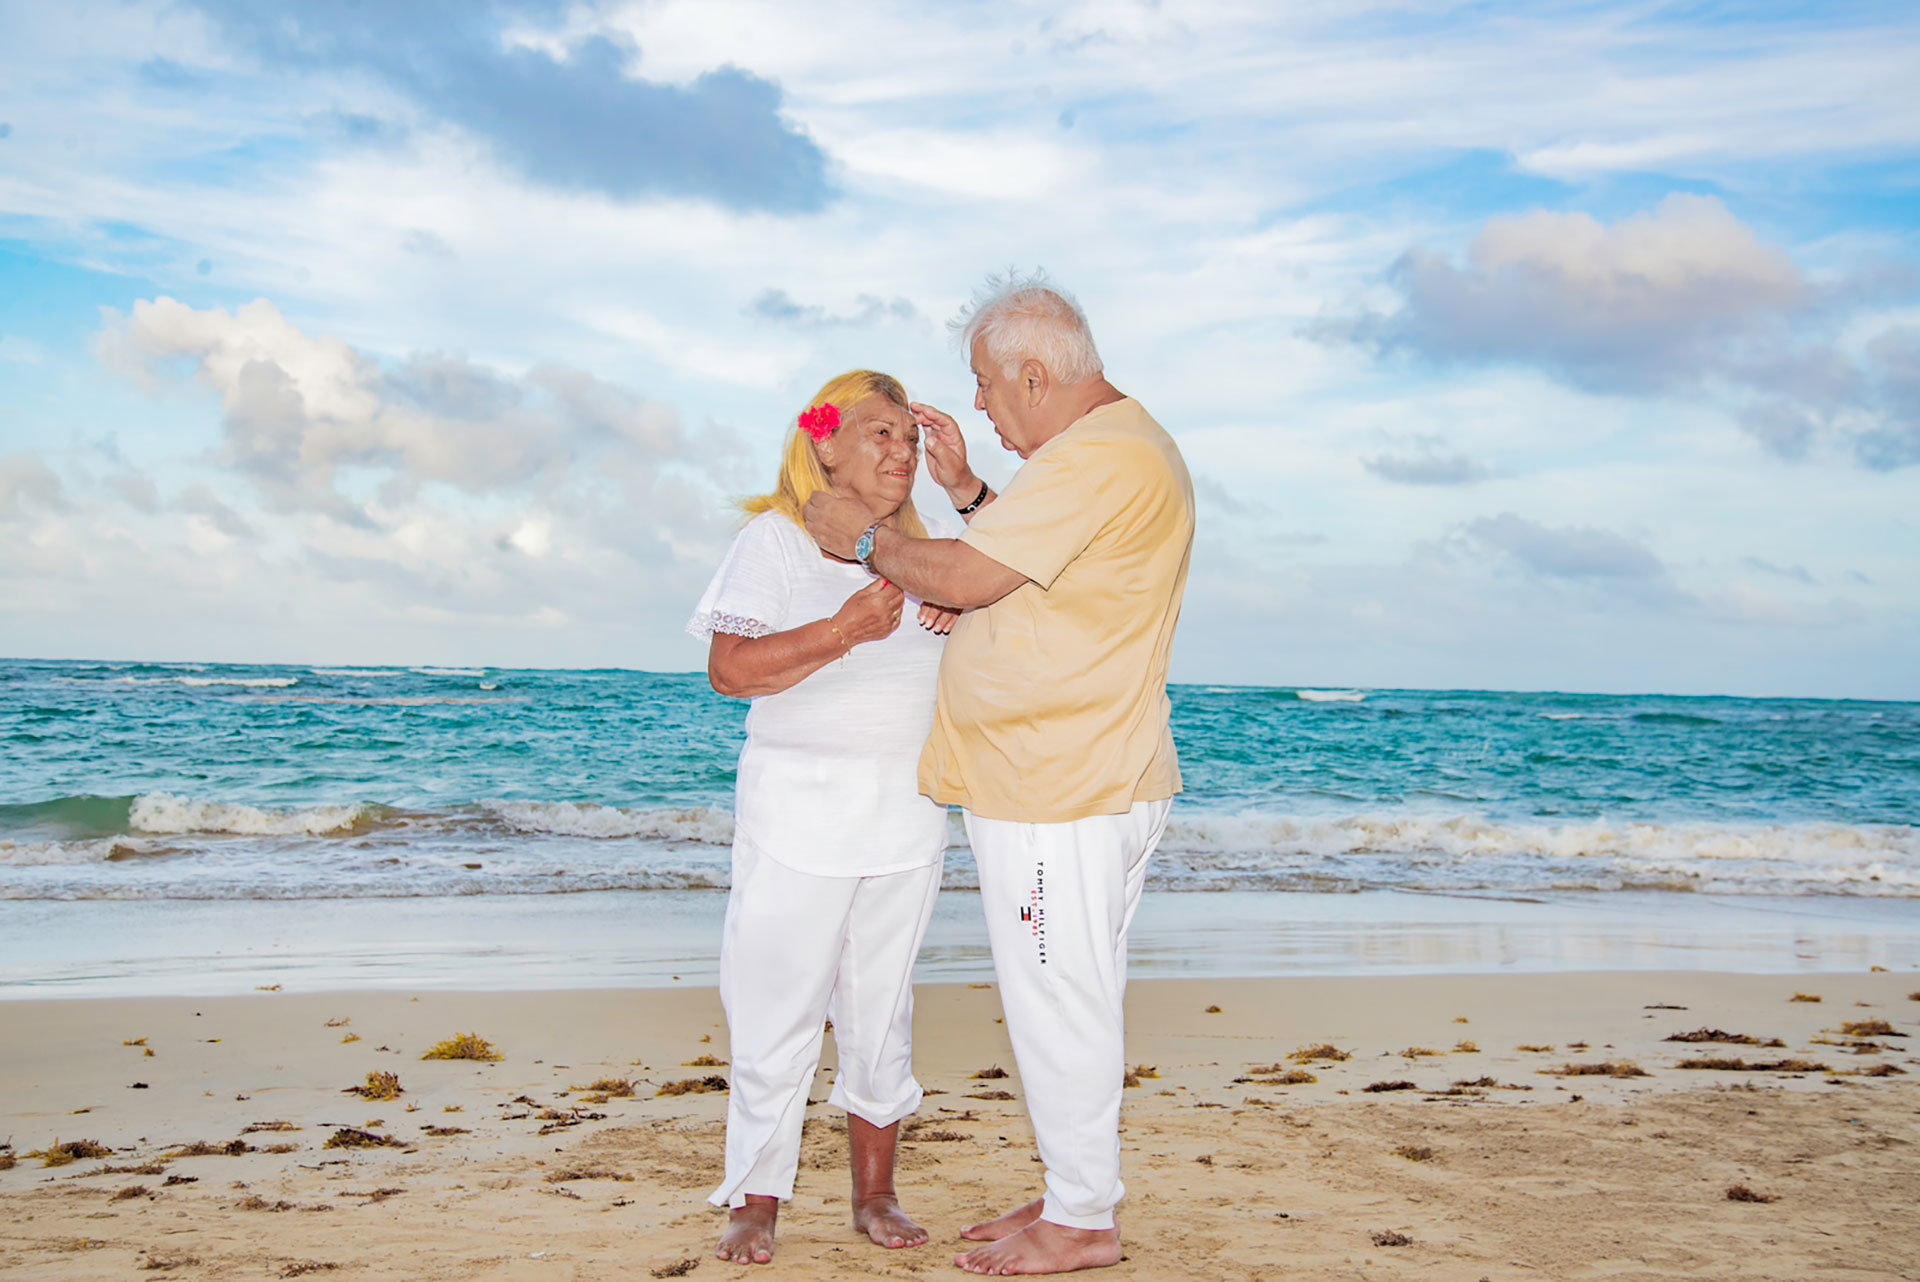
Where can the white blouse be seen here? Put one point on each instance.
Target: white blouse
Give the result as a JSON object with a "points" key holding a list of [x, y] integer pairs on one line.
{"points": [[827, 783]]}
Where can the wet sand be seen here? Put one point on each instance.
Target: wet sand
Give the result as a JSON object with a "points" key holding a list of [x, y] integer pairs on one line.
{"points": [[628, 939], [1493, 1162]]}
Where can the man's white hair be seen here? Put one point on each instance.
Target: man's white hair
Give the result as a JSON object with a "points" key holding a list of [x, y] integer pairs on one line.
{"points": [[1025, 318]]}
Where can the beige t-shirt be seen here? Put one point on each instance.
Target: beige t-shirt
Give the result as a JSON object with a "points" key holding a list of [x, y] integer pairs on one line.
{"points": [[1053, 700]]}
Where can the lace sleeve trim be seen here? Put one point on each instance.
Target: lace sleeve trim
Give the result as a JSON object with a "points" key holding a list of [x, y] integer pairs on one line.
{"points": [[704, 625]]}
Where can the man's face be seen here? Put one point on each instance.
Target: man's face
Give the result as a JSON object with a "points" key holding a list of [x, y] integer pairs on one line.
{"points": [[1002, 399]]}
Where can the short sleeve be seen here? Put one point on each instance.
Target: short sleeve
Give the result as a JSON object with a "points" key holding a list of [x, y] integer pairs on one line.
{"points": [[749, 593], [1048, 515]]}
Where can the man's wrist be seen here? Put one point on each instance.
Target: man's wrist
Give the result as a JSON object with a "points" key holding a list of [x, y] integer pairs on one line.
{"points": [[961, 492]]}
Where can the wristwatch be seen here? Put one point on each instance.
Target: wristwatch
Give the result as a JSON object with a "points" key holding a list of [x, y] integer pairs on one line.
{"points": [[863, 547]]}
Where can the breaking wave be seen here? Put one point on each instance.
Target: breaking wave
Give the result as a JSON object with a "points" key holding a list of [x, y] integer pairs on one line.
{"points": [[705, 824], [163, 812], [162, 845]]}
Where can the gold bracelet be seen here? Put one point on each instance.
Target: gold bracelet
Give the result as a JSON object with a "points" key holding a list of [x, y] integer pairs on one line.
{"points": [[844, 647]]}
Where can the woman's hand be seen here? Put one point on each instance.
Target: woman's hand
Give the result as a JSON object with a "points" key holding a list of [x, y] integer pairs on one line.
{"points": [[937, 618], [946, 454], [870, 614]]}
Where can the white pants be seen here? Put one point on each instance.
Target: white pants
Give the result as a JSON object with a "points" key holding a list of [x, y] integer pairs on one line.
{"points": [[796, 951], [1059, 899]]}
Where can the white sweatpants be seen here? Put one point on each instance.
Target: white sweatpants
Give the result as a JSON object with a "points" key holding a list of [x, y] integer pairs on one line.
{"points": [[796, 951], [1059, 899]]}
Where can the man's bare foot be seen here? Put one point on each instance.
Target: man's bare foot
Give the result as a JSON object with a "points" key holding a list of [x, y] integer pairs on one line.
{"points": [[749, 1235], [1007, 1225], [881, 1219], [1044, 1247]]}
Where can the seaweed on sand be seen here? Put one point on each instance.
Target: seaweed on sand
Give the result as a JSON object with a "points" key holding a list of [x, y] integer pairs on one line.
{"points": [[60, 1154], [1869, 1028], [352, 1137], [465, 1046], [379, 1085], [613, 1087], [1278, 1075], [1721, 1037], [693, 1086], [201, 1148], [1607, 1068]]}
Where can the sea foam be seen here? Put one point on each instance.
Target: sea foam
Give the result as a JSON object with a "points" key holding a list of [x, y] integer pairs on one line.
{"points": [[705, 824], [163, 812]]}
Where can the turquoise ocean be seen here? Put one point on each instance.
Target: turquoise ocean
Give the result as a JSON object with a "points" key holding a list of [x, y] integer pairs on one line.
{"points": [[131, 781]]}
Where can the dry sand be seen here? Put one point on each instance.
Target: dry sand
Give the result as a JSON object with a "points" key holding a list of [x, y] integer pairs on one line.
{"points": [[1530, 1175]]}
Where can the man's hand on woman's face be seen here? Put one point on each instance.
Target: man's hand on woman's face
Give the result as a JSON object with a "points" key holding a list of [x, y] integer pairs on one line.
{"points": [[836, 524], [946, 448]]}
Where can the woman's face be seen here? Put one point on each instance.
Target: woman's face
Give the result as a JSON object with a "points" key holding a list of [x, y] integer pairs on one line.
{"points": [[875, 455]]}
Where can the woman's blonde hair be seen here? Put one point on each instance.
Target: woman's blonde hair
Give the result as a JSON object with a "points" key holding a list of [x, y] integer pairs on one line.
{"points": [[801, 473]]}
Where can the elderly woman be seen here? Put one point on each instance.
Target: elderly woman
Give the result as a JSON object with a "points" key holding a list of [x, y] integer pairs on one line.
{"points": [[836, 855]]}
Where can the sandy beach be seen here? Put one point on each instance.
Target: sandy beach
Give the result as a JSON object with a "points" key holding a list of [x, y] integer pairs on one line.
{"points": [[1468, 1133]]}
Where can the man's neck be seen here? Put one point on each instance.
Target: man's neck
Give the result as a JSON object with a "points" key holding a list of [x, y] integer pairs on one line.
{"points": [[1081, 400]]}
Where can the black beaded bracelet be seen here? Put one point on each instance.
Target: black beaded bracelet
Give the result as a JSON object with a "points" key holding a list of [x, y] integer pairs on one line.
{"points": [[978, 499]]}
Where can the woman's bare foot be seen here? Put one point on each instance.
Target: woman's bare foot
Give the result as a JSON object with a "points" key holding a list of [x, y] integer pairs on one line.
{"points": [[881, 1219], [1007, 1225], [749, 1235], [1044, 1247]]}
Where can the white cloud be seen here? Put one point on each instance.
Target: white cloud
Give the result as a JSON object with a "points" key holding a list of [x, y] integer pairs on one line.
{"points": [[379, 507], [1429, 465], [1685, 300], [1567, 553], [1653, 300], [26, 483], [301, 412]]}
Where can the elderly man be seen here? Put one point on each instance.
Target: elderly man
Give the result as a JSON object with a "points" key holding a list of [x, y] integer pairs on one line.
{"points": [[1051, 730]]}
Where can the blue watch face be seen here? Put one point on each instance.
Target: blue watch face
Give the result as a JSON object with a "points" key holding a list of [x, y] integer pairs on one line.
{"points": [[863, 547]]}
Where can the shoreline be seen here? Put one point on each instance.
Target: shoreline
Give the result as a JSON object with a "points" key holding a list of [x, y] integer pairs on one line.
{"points": [[669, 939], [1494, 1164]]}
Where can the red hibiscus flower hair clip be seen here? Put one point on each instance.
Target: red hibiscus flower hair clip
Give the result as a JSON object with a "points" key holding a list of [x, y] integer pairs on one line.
{"points": [[820, 421]]}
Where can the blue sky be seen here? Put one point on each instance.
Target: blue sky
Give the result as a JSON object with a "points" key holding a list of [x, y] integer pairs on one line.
{"points": [[1565, 346]]}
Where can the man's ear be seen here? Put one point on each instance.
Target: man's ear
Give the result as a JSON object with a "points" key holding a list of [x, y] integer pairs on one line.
{"points": [[1033, 376]]}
